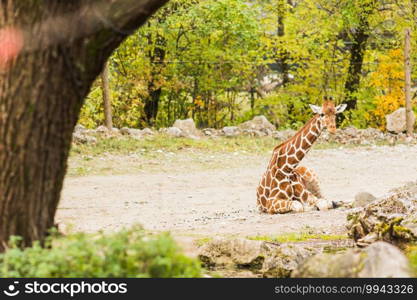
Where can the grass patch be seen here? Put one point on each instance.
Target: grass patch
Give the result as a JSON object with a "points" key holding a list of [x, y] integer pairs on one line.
{"points": [[161, 153], [298, 237], [162, 142], [411, 253]]}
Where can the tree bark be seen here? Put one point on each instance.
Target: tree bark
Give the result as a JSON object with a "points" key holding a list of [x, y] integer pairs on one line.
{"points": [[282, 53], [407, 87], [156, 57], [108, 118], [360, 38], [41, 95]]}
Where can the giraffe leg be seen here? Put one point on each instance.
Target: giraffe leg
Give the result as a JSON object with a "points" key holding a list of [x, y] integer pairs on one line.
{"points": [[282, 206], [307, 189], [310, 180]]}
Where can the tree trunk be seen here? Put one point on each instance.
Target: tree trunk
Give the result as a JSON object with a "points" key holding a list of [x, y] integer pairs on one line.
{"points": [[156, 57], [360, 38], [106, 97], [282, 53], [41, 94], [407, 87], [355, 68], [152, 105]]}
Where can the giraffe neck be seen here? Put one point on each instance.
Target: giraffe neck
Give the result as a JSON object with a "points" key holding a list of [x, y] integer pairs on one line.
{"points": [[297, 147]]}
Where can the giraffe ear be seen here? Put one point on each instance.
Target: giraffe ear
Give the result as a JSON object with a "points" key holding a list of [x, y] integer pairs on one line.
{"points": [[340, 108], [316, 109]]}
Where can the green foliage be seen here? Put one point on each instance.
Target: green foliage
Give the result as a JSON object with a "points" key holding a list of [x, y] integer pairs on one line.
{"points": [[206, 59], [128, 253]]}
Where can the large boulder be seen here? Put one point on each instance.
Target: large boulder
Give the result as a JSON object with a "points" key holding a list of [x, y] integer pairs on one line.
{"points": [[258, 123], [264, 258], [396, 121], [392, 218], [380, 260], [187, 127]]}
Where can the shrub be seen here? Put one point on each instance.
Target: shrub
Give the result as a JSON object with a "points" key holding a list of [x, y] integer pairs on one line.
{"points": [[128, 253]]}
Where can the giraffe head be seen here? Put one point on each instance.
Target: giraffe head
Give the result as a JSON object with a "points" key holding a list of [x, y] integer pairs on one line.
{"points": [[327, 113]]}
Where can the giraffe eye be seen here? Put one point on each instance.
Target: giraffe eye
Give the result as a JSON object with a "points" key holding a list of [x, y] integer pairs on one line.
{"points": [[322, 115]]}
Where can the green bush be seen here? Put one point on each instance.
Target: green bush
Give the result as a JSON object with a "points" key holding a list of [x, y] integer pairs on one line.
{"points": [[128, 253]]}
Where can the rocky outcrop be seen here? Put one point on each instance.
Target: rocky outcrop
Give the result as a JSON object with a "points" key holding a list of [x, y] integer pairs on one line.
{"points": [[392, 218], [396, 121], [264, 258], [380, 260]]}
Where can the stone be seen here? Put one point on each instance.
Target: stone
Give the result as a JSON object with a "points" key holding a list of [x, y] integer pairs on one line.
{"points": [[259, 123], [115, 131], [147, 131], [187, 127], [283, 135], [231, 131], [124, 130], [396, 121], [363, 199], [265, 258], [174, 132], [379, 260], [79, 128], [392, 218], [80, 138], [255, 133], [102, 129]]}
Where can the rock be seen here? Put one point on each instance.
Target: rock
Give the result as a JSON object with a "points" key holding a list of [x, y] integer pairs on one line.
{"points": [[231, 131], [115, 131], [362, 199], [380, 260], [396, 120], [267, 259], [256, 133], [124, 130], [147, 131], [174, 132], [283, 135], [80, 138], [102, 129], [79, 128], [258, 123], [392, 218], [211, 132], [135, 133], [187, 127]]}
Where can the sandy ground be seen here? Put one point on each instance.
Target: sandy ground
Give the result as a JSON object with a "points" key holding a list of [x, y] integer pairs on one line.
{"points": [[222, 201]]}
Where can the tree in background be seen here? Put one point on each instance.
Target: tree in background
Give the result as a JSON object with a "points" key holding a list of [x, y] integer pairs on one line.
{"points": [[225, 61]]}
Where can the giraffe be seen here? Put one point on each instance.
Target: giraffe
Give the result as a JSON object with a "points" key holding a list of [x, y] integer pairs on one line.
{"points": [[285, 186]]}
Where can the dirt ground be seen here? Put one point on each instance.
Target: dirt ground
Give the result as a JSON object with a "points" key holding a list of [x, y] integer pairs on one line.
{"points": [[221, 201]]}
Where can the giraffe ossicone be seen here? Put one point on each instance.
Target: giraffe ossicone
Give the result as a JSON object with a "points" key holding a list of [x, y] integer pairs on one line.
{"points": [[285, 186]]}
